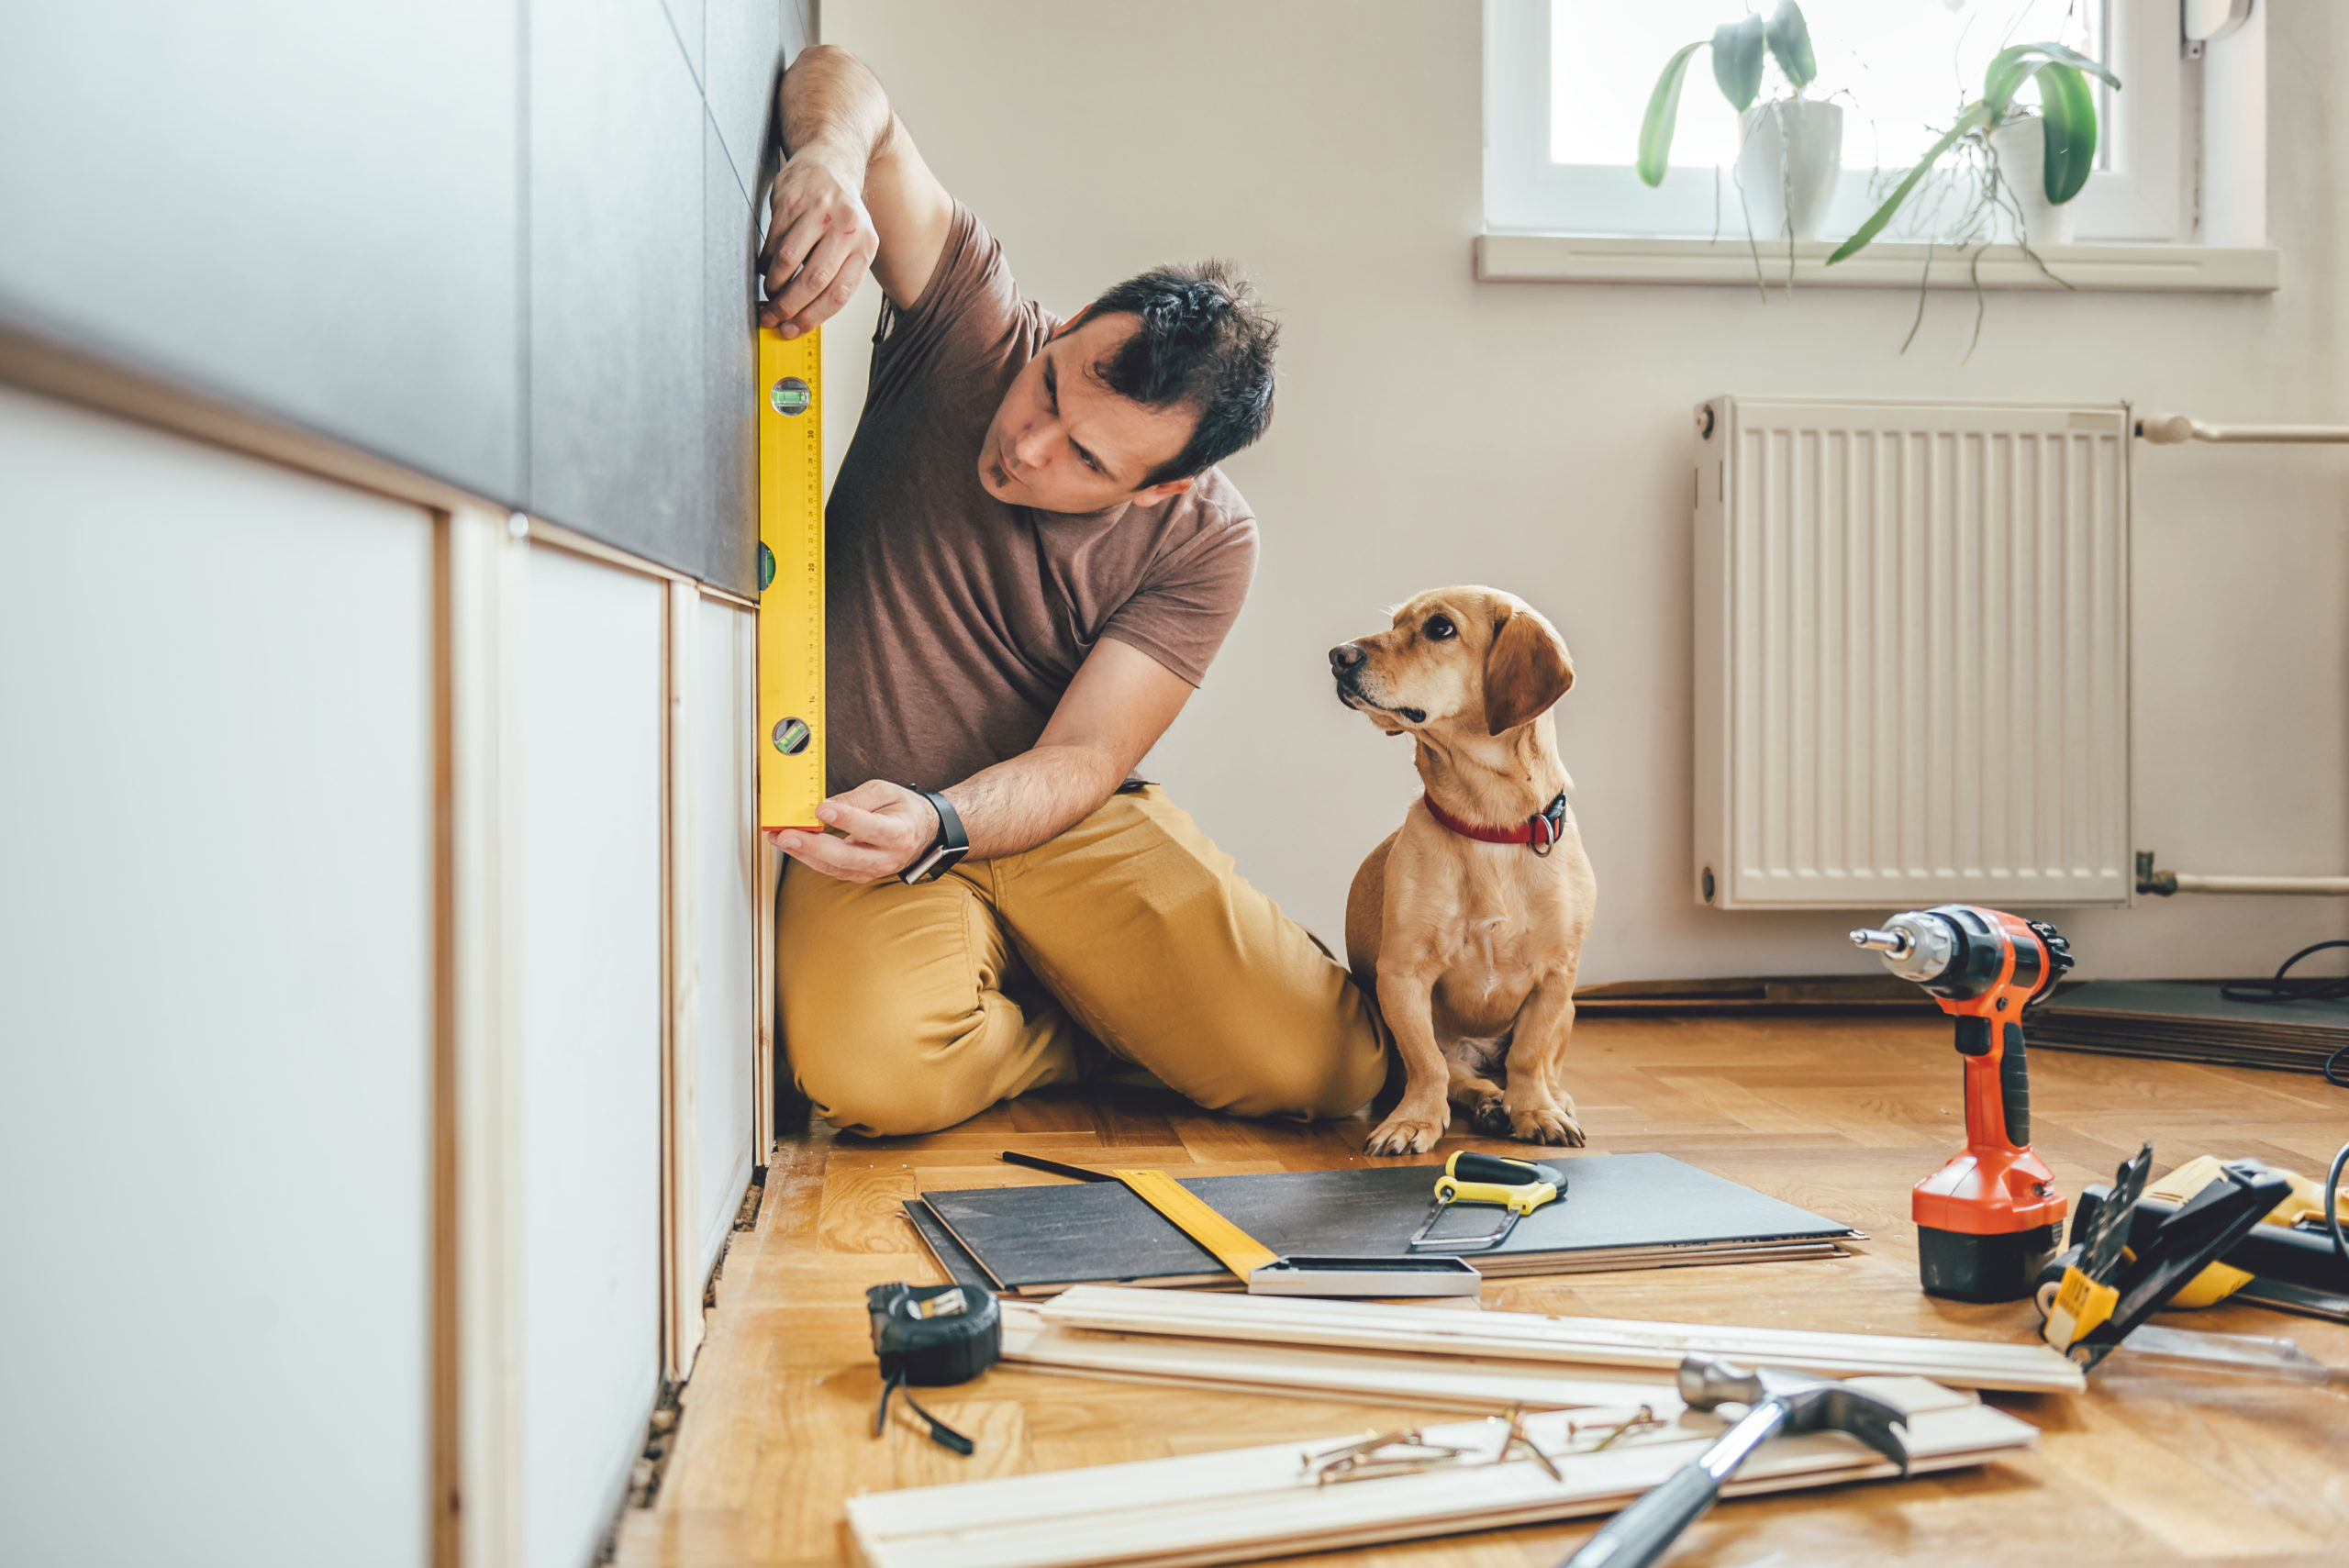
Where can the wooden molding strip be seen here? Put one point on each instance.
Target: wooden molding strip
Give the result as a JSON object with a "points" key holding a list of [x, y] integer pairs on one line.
{"points": [[481, 590], [1604, 1341], [681, 1276], [1244, 1504], [1312, 1372]]}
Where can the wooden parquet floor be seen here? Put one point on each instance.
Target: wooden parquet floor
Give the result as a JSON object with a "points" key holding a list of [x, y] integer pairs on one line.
{"points": [[1842, 1116]]}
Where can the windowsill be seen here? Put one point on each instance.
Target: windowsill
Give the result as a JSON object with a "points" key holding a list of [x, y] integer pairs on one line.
{"points": [[1619, 258]]}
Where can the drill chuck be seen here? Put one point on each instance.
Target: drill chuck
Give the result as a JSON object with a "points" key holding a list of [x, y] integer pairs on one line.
{"points": [[1916, 945]]}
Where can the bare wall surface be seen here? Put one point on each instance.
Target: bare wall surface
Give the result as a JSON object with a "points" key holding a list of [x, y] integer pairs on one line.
{"points": [[1433, 430], [507, 244]]}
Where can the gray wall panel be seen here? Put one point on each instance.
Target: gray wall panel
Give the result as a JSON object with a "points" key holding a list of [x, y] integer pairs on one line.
{"points": [[308, 209], [729, 429], [745, 50], [337, 215], [616, 279]]}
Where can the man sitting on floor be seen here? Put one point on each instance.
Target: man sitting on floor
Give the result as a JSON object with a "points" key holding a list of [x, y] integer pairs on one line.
{"points": [[1031, 560]]}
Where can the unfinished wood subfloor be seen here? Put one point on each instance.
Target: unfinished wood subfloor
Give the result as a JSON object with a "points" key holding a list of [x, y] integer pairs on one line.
{"points": [[1841, 1116]]}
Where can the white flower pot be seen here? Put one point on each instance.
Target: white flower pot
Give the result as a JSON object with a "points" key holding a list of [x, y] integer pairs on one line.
{"points": [[2021, 147], [1791, 156]]}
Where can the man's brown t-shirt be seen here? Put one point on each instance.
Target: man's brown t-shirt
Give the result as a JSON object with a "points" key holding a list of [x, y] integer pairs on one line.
{"points": [[954, 620]]}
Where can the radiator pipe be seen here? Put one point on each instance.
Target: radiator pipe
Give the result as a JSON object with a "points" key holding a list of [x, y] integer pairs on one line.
{"points": [[2161, 884], [2174, 429]]}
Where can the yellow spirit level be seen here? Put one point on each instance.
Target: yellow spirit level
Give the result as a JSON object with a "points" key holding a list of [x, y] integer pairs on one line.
{"points": [[791, 580]]}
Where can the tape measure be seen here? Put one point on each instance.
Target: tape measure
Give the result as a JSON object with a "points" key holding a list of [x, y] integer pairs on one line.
{"points": [[932, 1335], [791, 579]]}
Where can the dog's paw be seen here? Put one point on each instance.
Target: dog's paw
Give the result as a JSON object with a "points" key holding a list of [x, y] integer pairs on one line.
{"points": [[1407, 1132], [1490, 1117], [1551, 1125]]}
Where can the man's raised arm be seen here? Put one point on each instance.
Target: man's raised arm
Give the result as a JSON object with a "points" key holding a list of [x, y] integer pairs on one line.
{"points": [[853, 195]]}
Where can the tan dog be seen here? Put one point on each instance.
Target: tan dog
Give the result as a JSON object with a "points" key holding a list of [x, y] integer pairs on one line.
{"points": [[1471, 945]]}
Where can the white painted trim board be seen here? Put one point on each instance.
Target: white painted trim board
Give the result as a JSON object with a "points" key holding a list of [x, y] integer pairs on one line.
{"points": [[1244, 1504], [2030, 1368]]}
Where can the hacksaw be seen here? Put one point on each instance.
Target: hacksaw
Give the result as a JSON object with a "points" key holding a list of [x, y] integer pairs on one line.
{"points": [[791, 580]]}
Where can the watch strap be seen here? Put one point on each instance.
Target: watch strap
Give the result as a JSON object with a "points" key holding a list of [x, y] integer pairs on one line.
{"points": [[947, 850]]}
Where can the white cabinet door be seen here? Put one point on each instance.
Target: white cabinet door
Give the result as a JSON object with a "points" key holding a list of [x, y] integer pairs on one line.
{"points": [[592, 1017], [216, 1021]]}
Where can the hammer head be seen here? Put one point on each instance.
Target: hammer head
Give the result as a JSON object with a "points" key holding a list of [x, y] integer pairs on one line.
{"points": [[1811, 1404]]}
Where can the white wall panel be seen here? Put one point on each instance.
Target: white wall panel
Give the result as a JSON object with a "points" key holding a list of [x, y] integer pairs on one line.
{"points": [[726, 888], [216, 924], [591, 1009]]}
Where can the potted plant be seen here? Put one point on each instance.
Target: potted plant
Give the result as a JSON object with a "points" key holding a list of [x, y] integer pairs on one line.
{"points": [[2002, 145], [1790, 151]]}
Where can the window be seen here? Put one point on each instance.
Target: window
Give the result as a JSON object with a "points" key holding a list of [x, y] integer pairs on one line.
{"points": [[1567, 83]]}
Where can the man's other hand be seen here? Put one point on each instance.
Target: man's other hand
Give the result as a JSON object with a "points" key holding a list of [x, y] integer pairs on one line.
{"points": [[886, 827], [821, 242]]}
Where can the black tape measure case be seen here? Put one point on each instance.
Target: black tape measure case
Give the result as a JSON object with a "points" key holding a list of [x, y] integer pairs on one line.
{"points": [[931, 1336], [934, 1334]]}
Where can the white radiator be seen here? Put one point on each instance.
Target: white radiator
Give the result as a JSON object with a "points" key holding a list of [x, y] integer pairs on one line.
{"points": [[1912, 653]]}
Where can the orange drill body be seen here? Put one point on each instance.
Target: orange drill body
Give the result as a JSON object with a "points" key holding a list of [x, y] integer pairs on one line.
{"points": [[1987, 1218]]}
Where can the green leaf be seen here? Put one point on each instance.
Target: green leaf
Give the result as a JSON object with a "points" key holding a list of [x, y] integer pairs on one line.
{"points": [[2010, 68], [1663, 114], [1789, 38], [1737, 61], [1972, 119], [2067, 115]]}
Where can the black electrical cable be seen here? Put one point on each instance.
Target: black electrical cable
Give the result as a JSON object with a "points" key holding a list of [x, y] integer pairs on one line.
{"points": [[2281, 987]]}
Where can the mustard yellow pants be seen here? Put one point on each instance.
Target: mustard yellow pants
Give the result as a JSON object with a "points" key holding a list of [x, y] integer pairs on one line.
{"points": [[1126, 940]]}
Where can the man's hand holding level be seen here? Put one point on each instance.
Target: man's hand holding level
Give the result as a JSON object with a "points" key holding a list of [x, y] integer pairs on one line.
{"points": [[880, 829], [820, 239]]}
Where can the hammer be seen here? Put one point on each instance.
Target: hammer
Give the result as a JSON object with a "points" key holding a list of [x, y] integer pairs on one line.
{"points": [[1776, 1402]]}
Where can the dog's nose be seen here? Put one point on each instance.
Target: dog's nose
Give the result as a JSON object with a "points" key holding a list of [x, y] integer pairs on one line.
{"points": [[1344, 657]]}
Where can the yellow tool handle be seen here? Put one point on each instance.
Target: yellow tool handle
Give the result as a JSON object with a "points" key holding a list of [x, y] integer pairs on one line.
{"points": [[1232, 1247], [1517, 1200], [2081, 1304]]}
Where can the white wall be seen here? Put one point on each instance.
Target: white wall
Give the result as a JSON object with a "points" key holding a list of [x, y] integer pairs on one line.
{"points": [[216, 1006], [1433, 430], [592, 1006]]}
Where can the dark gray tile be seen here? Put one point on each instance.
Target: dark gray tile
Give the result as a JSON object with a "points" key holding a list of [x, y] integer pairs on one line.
{"points": [[729, 429], [744, 59], [686, 15], [309, 209], [616, 279]]}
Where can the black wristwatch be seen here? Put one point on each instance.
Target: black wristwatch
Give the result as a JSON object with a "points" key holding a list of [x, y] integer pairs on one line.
{"points": [[946, 851]]}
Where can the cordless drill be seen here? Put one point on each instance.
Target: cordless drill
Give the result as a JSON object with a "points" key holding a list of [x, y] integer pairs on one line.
{"points": [[1987, 1221]]}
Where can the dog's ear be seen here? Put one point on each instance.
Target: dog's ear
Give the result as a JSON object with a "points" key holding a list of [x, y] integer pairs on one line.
{"points": [[1526, 670]]}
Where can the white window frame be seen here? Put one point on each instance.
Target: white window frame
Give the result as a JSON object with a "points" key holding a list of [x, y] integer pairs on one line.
{"points": [[2140, 197]]}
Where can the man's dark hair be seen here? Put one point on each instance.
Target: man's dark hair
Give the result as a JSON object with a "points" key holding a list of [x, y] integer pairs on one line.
{"points": [[1205, 342]]}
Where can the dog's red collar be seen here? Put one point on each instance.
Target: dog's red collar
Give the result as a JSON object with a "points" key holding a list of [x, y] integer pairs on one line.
{"points": [[1540, 830]]}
